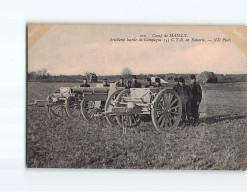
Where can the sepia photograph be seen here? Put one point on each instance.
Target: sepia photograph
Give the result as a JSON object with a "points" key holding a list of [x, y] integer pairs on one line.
{"points": [[118, 96]]}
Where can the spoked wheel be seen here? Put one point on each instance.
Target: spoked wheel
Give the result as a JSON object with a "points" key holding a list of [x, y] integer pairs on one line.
{"points": [[110, 103], [88, 110], [132, 120], [167, 110], [57, 109], [73, 106]]}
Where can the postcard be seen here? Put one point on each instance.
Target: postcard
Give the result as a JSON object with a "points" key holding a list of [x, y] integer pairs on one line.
{"points": [[136, 97]]}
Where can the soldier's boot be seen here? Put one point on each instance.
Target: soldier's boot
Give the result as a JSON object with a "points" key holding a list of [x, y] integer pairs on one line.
{"points": [[191, 120], [182, 122], [196, 120]]}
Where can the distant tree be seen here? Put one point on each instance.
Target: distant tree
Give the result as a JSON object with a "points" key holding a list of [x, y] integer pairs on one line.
{"points": [[43, 72], [126, 72], [31, 75]]}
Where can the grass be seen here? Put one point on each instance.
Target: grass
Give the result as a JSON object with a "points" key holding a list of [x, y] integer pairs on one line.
{"points": [[218, 142]]}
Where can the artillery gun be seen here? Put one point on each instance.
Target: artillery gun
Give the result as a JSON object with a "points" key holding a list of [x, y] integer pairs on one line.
{"points": [[118, 105], [88, 102], [164, 106]]}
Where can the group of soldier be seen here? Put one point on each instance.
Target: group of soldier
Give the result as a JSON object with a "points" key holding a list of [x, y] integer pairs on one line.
{"points": [[85, 84], [135, 84], [191, 95]]}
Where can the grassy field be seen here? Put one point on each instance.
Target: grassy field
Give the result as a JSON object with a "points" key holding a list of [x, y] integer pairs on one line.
{"points": [[218, 142]]}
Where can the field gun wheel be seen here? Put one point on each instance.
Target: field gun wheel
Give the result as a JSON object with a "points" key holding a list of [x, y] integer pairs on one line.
{"points": [[167, 110], [132, 120], [58, 108], [88, 110], [73, 106], [110, 103]]}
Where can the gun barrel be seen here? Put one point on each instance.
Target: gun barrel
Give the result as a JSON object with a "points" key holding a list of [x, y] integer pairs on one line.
{"points": [[81, 90]]}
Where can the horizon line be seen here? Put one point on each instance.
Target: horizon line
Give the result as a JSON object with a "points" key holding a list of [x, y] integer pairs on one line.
{"points": [[137, 74]]}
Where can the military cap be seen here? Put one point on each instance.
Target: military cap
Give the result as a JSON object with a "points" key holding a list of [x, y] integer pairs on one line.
{"points": [[193, 76], [148, 79], [84, 79], [134, 77], [157, 79], [176, 79], [181, 79]]}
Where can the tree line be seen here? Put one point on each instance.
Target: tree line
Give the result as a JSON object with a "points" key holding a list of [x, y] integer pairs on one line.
{"points": [[43, 75]]}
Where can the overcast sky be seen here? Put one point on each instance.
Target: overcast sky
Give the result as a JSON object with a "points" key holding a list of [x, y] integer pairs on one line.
{"points": [[76, 49]]}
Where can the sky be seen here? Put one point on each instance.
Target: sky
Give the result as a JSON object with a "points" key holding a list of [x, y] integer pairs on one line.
{"points": [[72, 49]]}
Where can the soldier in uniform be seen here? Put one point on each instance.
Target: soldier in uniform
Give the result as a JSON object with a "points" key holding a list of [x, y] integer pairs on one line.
{"points": [[196, 98], [149, 85], [84, 84], [157, 82], [121, 83], [184, 91], [134, 83], [105, 84], [129, 84], [176, 85]]}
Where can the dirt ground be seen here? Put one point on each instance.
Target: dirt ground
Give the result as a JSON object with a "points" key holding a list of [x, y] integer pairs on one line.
{"points": [[218, 142]]}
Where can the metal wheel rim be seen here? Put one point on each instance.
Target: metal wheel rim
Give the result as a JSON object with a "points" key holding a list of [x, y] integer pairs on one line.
{"points": [[167, 110], [56, 110], [133, 120], [111, 119], [72, 108], [87, 113]]}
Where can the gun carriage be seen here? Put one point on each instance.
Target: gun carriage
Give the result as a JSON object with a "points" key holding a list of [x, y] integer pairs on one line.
{"points": [[117, 104], [163, 105]]}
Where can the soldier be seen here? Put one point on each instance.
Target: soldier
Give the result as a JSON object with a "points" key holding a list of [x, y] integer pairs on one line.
{"points": [[134, 83], [184, 92], [157, 82], [84, 84], [121, 83], [176, 85], [129, 84], [105, 84], [196, 98], [149, 85]]}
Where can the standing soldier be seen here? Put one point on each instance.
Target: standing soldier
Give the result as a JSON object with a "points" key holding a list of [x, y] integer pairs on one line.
{"points": [[121, 83], [184, 92], [196, 98], [84, 84], [149, 85], [134, 83], [176, 84], [157, 82], [105, 84]]}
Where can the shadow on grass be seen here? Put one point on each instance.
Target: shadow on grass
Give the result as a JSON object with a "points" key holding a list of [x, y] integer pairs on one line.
{"points": [[219, 118]]}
